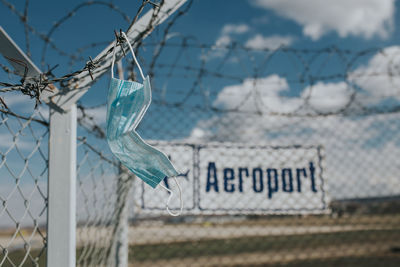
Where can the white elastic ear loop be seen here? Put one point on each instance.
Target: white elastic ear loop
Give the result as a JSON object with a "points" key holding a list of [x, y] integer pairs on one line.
{"points": [[113, 59], [170, 197], [133, 55]]}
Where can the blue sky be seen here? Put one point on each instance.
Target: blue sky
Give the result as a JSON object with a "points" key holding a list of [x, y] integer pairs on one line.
{"points": [[206, 19], [257, 25]]}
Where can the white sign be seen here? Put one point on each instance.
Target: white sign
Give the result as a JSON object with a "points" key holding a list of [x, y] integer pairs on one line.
{"points": [[260, 179], [236, 179]]}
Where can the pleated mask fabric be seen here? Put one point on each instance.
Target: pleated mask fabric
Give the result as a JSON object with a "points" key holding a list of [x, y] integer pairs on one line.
{"points": [[127, 102]]}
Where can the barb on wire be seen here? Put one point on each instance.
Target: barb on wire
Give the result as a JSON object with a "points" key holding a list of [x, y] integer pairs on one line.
{"points": [[119, 38], [90, 65], [32, 87]]}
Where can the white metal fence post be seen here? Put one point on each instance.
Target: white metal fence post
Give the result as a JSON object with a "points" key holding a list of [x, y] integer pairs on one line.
{"points": [[62, 166], [61, 226]]}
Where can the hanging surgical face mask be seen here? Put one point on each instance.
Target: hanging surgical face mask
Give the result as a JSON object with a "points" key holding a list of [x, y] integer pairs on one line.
{"points": [[127, 102]]}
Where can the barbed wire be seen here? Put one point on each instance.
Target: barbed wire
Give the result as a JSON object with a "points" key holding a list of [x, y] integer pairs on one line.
{"points": [[207, 67], [203, 71], [33, 87], [200, 73], [90, 66]]}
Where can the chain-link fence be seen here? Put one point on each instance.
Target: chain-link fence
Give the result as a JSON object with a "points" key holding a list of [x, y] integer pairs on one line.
{"points": [[308, 179], [23, 187], [287, 157], [97, 194], [359, 220]]}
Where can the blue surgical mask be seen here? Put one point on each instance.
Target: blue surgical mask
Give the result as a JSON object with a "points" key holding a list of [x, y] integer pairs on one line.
{"points": [[127, 102]]}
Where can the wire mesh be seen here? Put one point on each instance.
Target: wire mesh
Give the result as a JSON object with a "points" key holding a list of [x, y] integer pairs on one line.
{"points": [[242, 125], [23, 190], [235, 214], [21, 245], [96, 205]]}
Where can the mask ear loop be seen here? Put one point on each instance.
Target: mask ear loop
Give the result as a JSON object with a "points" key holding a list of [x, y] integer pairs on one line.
{"points": [[113, 60], [133, 55], [171, 194]]}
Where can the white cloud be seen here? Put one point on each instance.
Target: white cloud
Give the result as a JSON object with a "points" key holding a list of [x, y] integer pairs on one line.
{"points": [[25, 106], [348, 163], [268, 42], [43, 112], [379, 79], [16, 98], [98, 114], [365, 18], [223, 40], [328, 97], [18, 101], [235, 29], [353, 146], [380, 76], [253, 95], [258, 41], [16, 204], [7, 141], [265, 95]]}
